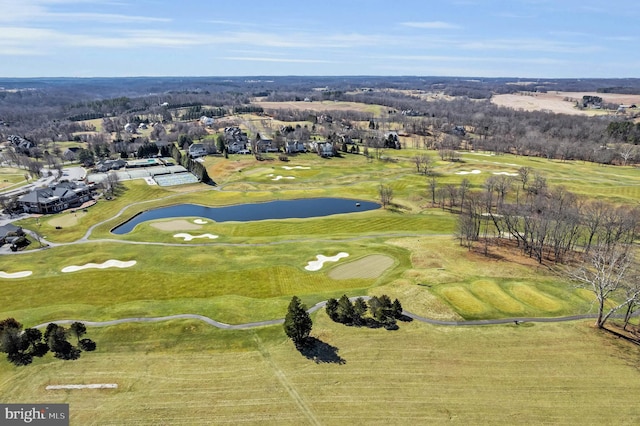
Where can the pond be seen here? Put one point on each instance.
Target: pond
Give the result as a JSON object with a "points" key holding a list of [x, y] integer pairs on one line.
{"points": [[282, 209]]}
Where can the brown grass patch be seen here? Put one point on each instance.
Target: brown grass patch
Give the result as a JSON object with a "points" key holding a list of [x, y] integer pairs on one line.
{"points": [[176, 225], [368, 267], [315, 106]]}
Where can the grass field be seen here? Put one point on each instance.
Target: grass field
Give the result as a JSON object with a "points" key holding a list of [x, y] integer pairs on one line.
{"points": [[186, 372]]}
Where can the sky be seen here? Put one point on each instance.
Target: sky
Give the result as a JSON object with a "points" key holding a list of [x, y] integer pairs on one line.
{"points": [[473, 38]]}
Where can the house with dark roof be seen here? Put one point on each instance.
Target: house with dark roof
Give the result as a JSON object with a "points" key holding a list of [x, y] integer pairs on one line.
{"points": [[106, 165], [55, 198], [9, 232], [265, 144], [197, 150]]}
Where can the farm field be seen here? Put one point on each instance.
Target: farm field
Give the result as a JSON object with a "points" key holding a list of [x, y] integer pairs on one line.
{"points": [[555, 101]]}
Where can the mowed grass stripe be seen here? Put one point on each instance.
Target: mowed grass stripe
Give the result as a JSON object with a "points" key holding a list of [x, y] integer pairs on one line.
{"points": [[534, 298], [492, 294], [463, 300]]}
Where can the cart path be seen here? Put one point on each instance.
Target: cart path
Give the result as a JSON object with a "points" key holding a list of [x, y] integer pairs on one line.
{"points": [[316, 307]]}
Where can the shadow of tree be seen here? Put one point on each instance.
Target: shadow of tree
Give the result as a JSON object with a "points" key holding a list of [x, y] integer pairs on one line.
{"points": [[321, 352]]}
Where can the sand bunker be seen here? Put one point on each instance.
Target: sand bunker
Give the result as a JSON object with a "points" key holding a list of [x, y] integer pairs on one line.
{"points": [[296, 167], [472, 172], [199, 221], [280, 177], [189, 237], [108, 264], [316, 265], [92, 386], [505, 173], [21, 274], [175, 225]]}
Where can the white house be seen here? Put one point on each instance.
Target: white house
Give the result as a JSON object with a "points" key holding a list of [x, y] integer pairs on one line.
{"points": [[207, 121]]}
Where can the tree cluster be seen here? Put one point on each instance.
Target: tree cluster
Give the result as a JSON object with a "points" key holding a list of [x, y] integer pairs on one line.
{"points": [[383, 312], [546, 223], [21, 346]]}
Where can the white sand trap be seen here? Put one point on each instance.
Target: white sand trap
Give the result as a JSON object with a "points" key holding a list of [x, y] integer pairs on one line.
{"points": [[505, 173], [91, 386], [189, 237], [21, 274], [316, 265], [108, 264], [472, 172], [296, 167], [282, 177], [199, 221]]}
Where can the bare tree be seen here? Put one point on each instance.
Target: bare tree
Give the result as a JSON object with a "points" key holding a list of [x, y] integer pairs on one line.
{"points": [[604, 273], [433, 184], [524, 173], [386, 195]]}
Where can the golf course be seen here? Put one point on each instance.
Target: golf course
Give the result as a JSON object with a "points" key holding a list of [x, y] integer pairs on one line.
{"points": [[243, 273]]}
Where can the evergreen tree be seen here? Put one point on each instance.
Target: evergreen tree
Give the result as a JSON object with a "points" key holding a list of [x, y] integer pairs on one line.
{"points": [[346, 314], [332, 309], [297, 323], [396, 309]]}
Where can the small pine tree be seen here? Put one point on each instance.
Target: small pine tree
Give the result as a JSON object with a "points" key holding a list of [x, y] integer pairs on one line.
{"points": [[297, 323], [396, 309], [332, 309]]}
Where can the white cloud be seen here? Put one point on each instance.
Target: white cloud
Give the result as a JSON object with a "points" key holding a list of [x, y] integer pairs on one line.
{"points": [[431, 25], [31, 11], [268, 59]]}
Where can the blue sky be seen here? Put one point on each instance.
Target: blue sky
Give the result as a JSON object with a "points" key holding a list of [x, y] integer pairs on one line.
{"points": [[487, 38]]}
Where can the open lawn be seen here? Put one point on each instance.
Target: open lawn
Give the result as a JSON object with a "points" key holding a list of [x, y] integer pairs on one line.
{"points": [[185, 372]]}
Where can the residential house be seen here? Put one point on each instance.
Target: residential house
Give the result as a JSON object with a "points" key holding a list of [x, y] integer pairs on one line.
{"points": [[20, 143], [71, 154], [9, 232], [197, 150], [207, 121], [323, 149], [235, 139], [459, 131], [293, 147], [265, 144]]}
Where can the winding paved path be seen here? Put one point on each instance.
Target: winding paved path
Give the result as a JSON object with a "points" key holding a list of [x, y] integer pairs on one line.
{"points": [[316, 307]]}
